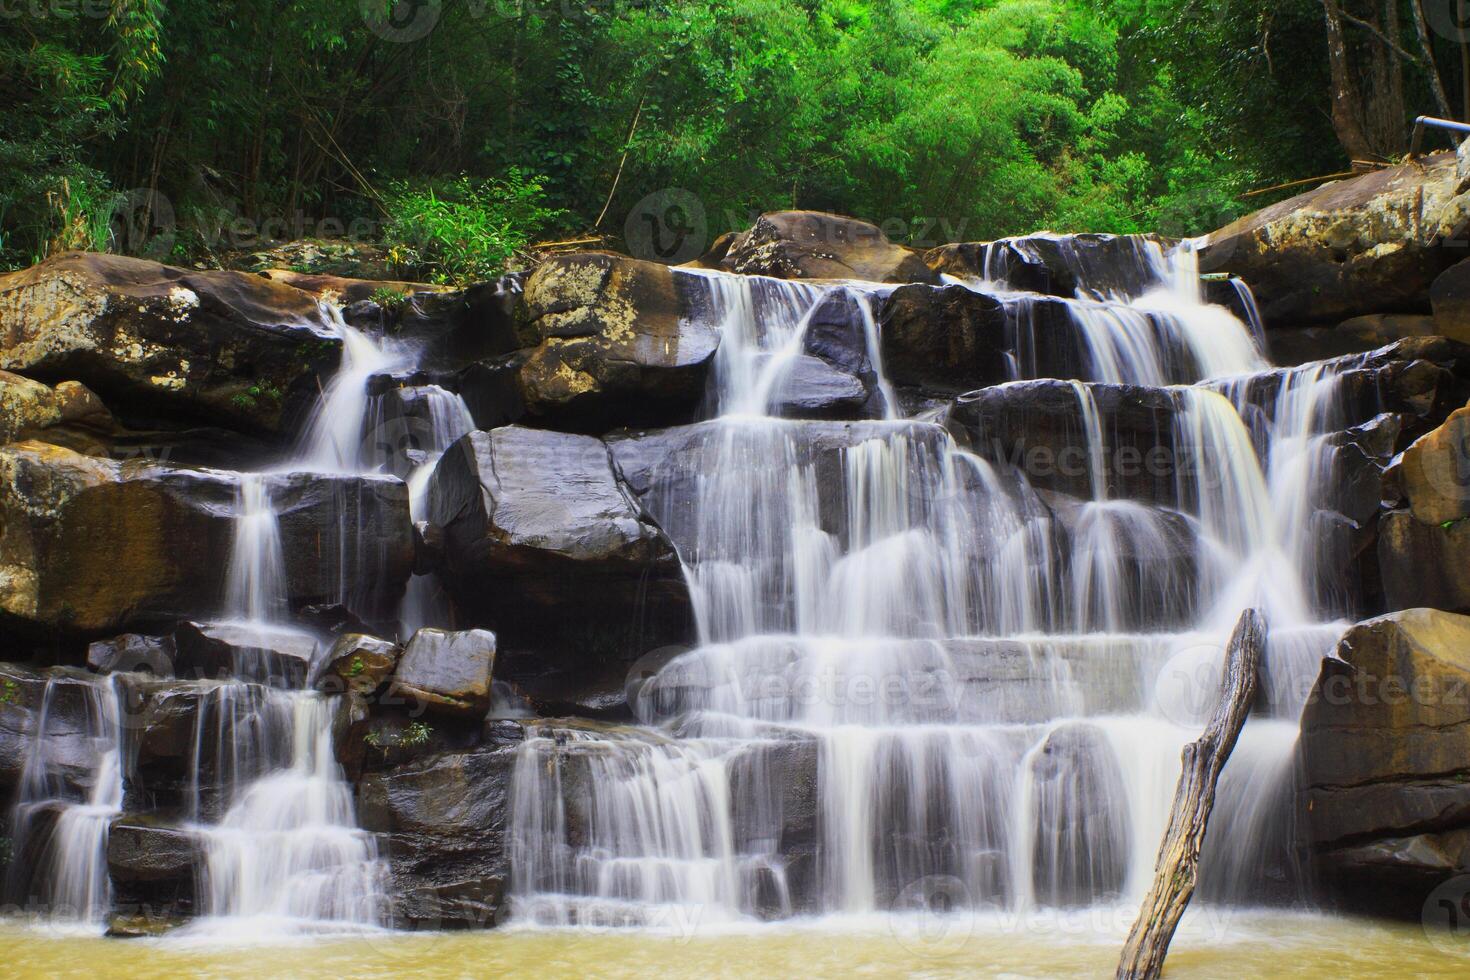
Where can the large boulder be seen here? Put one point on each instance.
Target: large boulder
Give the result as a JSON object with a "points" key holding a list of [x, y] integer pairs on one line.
{"points": [[544, 543], [445, 820], [1450, 297], [1057, 265], [1434, 472], [215, 347], [277, 656], [613, 340], [814, 245], [1371, 244], [447, 672], [133, 653], [357, 662], [1424, 564], [64, 701], [68, 415], [93, 545], [152, 864], [1385, 750], [951, 339]]}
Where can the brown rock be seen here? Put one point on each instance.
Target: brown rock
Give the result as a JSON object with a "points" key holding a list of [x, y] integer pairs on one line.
{"points": [[814, 245], [357, 662], [221, 347], [447, 672]]}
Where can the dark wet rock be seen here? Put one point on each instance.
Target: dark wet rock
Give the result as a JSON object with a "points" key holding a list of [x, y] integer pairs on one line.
{"points": [[152, 864], [1055, 265], [812, 388], [1449, 296], [546, 545], [357, 662], [71, 751], [448, 672], [1037, 427], [1080, 850], [344, 539], [1384, 760], [133, 652], [1370, 244], [330, 619], [613, 341], [221, 348], [951, 339], [267, 655], [1424, 564], [445, 823], [168, 532], [814, 245], [776, 810]]}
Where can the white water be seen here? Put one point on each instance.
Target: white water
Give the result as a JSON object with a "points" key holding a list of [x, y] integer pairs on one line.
{"points": [[891, 655], [69, 882], [274, 815]]}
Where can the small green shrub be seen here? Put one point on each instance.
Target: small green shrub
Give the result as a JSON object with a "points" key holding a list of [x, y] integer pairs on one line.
{"points": [[465, 230]]}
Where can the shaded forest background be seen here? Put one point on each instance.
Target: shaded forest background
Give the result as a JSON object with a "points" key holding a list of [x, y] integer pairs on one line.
{"points": [[462, 133]]}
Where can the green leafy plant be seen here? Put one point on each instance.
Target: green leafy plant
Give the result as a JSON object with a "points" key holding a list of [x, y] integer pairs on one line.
{"points": [[466, 230]]}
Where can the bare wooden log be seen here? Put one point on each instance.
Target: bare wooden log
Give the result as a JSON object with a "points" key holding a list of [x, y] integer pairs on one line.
{"points": [[1178, 862]]}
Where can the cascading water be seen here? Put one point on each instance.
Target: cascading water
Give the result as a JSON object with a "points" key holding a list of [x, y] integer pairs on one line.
{"points": [[67, 825], [274, 816], [899, 681]]}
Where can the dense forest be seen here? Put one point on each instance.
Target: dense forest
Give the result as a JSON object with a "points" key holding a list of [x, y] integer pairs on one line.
{"points": [[460, 133]]}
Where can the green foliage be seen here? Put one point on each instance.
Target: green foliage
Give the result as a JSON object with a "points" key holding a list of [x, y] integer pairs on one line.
{"points": [[10, 692], [465, 230], [506, 123]]}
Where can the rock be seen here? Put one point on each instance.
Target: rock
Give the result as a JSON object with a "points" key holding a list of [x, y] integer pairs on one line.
{"points": [[447, 672], [1037, 428], [267, 655], [1384, 747], [1080, 849], [145, 850], [1370, 244], [330, 256], [220, 348], [133, 652], [613, 341], [1056, 265], [950, 340], [812, 388], [344, 290], [151, 925], [1424, 564], [1434, 472], [814, 245], [345, 539], [68, 415], [1449, 296], [544, 543], [357, 662], [68, 710], [446, 819], [168, 532]]}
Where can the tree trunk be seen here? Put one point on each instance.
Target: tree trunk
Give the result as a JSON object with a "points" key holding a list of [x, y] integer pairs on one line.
{"points": [[1347, 107], [1178, 863], [1436, 83]]}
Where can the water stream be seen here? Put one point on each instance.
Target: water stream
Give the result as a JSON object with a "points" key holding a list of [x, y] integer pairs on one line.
{"points": [[901, 688]]}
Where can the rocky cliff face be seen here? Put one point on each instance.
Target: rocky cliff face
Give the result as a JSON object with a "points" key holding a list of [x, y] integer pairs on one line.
{"points": [[551, 531]]}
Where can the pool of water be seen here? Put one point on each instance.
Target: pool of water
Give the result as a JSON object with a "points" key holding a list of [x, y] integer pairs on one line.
{"points": [[1212, 943]]}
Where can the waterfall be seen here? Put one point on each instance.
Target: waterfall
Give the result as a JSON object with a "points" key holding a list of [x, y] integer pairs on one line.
{"points": [[67, 825], [906, 672], [268, 802], [447, 419]]}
